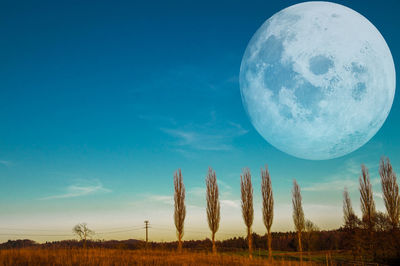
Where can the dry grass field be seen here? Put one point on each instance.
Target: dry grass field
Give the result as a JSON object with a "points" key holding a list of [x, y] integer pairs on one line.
{"points": [[74, 256]]}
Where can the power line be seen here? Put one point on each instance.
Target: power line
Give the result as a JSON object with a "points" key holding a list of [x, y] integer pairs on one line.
{"points": [[115, 231], [195, 231], [122, 231], [120, 228]]}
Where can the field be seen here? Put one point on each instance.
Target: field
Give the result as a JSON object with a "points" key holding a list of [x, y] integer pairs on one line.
{"points": [[97, 256]]}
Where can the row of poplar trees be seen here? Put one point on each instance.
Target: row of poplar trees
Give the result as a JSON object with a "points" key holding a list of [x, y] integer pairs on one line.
{"points": [[213, 205], [390, 195]]}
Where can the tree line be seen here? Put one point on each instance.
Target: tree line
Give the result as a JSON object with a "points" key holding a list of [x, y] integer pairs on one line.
{"points": [[375, 236], [363, 236]]}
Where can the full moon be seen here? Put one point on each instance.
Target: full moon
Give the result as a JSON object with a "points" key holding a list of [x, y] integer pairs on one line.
{"points": [[317, 80]]}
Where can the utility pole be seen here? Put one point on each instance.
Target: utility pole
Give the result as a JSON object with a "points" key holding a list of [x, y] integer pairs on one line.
{"points": [[147, 229]]}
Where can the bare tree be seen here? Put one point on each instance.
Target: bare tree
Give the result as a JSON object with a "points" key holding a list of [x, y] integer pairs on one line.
{"points": [[350, 218], [213, 205], [351, 223], [268, 205], [390, 190], [310, 229], [298, 214], [367, 199], [382, 222], [180, 208], [83, 232], [247, 205], [368, 210]]}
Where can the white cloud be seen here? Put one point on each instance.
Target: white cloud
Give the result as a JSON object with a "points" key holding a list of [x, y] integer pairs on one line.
{"points": [[80, 189], [197, 191], [161, 198], [224, 185], [230, 203]]}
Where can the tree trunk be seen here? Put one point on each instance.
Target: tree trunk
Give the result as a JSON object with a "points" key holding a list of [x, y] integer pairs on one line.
{"points": [[180, 243], [250, 242], [300, 247], [214, 247], [269, 245]]}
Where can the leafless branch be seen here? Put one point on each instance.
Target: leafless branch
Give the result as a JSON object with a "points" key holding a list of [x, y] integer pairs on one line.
{"points": [[367, 199], [247, 204], [390, 190], [213, 205], [268, 204], [298, 214], [180, 208]]}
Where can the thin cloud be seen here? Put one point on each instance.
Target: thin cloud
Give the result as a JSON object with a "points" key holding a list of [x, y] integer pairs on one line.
{"points": [[6, 163], [225, 189], [240, 130], [197, 191], [348, 178], [199, 140], [161, 198], [330, 185], [230, 203], [224, 185], [206, 137], [79, 190]]}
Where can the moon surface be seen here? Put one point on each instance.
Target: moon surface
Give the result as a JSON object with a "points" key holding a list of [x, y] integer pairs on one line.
{"points": [[317, 80]]}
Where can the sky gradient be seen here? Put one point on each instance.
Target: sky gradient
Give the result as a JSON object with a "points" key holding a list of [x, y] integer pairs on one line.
{"points": [[101, 103]]}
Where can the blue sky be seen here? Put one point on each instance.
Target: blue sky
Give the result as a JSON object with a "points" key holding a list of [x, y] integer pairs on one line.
{"points": [[101, 103]]}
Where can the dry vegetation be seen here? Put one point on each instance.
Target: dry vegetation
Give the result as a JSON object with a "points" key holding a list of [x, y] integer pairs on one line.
{"points": [[63, 256]]}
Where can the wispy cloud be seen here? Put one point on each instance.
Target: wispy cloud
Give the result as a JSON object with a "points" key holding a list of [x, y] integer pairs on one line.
{"points": [[80, 189], [329, 185], [197, 191], [210, 136], [165, 199], [347, 177], [6, 163], [230, 203], [224, 185], [199, 140]]}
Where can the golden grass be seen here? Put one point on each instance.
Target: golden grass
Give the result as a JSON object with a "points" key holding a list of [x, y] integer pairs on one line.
{"points": [[74, 256]]}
